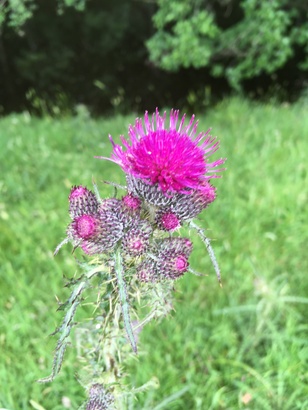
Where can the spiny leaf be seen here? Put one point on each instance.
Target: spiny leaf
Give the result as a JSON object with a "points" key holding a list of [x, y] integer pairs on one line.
{"points": [[72, 281], [64, 329], [65, 241], [57, 363], [124, 300], [80, 284]]}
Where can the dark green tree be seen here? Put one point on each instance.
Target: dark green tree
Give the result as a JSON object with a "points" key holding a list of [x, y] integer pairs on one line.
{"points": [[235, 39], [55, 54], [62, 53]]}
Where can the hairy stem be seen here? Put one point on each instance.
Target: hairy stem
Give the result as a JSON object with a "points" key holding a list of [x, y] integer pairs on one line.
{"points": [[209, 248]]}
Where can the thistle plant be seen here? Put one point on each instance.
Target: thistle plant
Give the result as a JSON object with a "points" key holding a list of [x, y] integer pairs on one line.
{"points": [[133, 249]]}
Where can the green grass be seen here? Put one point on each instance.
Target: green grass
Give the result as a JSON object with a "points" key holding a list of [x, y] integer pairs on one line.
{"points": [[247, 340]]}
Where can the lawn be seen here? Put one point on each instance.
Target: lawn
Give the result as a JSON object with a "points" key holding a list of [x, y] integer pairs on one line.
{"points": [[240, 347]]}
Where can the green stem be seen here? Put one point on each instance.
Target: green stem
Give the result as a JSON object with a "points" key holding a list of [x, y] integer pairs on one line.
{"points": [[209, 248]]}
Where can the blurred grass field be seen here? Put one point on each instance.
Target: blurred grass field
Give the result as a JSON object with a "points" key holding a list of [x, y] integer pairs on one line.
{"points": [[240, 347]]}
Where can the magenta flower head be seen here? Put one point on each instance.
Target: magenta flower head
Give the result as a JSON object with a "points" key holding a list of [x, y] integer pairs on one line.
{"points": [[174, 157]]}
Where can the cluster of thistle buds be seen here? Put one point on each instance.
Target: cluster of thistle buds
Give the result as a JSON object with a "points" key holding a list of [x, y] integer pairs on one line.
{"points": [[167, 176], [135, 226]]}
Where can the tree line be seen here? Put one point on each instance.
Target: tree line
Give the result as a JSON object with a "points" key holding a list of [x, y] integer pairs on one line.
{"points": [[124, 55]]}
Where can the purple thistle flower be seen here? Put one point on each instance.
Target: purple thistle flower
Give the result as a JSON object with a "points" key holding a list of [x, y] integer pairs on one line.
{"points": [[176, 245], [175, 158], [82, 201]]}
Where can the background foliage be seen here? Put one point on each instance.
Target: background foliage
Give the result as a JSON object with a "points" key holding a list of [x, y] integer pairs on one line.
{"points": [[126, 55], [237, 40]]}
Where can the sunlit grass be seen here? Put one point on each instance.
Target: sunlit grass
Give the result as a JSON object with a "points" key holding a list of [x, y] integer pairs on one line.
{"points": [[240, 347]]}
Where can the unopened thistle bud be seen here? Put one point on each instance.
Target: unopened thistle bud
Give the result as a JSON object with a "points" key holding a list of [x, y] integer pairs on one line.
{"points": [[168, 261], [99, 398], [96, 233], [116, 206], [175, 245], [85, 226], [146, 271], [82, 201], [172, 266], [188, 207], [131, 202], [111, 204], [137, 241], [173, 257], [167, 221]]}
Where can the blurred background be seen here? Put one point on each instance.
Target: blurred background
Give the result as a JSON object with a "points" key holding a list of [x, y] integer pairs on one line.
{"points": [[124, 55], [74, 71]]}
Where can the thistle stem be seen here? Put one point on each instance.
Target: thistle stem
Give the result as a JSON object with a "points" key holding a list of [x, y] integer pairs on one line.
{"points": [[209, 248]]}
